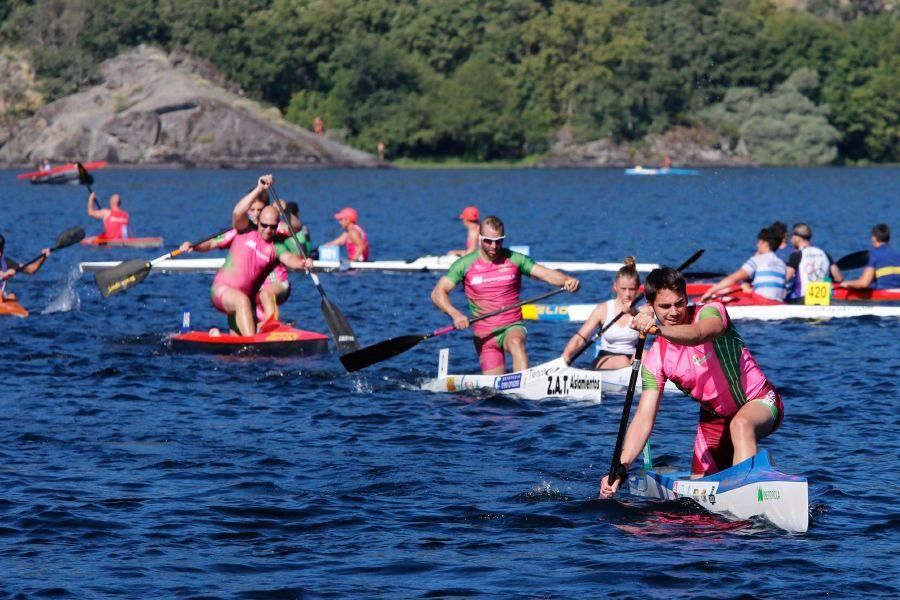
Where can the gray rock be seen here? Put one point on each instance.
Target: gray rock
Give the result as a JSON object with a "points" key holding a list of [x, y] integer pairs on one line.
{"points": [[156, 108]]}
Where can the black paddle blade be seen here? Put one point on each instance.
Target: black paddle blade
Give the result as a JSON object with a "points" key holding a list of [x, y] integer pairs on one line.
{"points": [[354, 361], [121, 277], [857, 260], [70, 236], [340, 329], [694, 257], [84, 178]]}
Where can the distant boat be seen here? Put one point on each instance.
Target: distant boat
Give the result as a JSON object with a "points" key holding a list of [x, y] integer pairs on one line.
{"points": [[67, 173], [639, 170]]}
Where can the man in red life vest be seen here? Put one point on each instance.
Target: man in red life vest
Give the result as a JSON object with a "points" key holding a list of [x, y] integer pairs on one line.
{"points": [[115, 220]]}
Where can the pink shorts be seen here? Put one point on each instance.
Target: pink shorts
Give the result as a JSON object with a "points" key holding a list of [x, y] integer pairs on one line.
{"points": [[713, 450], [217, 293], [490, 347]]}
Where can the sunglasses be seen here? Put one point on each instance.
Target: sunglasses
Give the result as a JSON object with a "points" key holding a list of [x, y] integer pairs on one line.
{"points": [[492, 241], [269, 225]]}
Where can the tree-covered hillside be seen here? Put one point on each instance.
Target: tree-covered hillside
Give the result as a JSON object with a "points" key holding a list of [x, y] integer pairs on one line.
{"points": [[489, 79]]}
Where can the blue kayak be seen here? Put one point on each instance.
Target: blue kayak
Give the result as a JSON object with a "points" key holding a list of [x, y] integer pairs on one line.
{"points": [[752, 488]]}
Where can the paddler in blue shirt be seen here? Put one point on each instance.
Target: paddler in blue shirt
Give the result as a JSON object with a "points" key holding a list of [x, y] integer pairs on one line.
{"points": [[882, 272]]}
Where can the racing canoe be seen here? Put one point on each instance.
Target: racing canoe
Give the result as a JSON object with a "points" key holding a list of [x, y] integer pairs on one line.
{"points": [[12, 308], [752, 488], [550, 380], [61, 174], [553, 379], [837, 293], [137, 242], [424, 264], [639, 170], [578, 313], [281, 340]]}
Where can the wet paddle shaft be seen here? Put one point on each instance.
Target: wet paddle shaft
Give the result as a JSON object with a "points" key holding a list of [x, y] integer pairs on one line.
{"points": [[344, 337], [376, 353]]}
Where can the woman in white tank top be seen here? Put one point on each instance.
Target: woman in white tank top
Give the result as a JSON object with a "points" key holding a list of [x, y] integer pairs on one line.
{"points": [[618, 342]]}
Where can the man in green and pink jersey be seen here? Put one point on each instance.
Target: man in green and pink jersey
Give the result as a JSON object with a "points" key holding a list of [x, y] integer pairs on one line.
{"points": [[699, 350], [492, 278], [252, 256]]}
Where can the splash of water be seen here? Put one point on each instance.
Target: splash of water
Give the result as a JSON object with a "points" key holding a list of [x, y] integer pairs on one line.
{"points": [[67, 299]]}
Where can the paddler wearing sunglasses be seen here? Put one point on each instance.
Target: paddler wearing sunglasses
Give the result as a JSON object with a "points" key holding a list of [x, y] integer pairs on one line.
{"points": [[492, 278], [252, 256]]}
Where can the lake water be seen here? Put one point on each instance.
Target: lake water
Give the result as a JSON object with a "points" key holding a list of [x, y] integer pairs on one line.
{"points": [[130, 471]]}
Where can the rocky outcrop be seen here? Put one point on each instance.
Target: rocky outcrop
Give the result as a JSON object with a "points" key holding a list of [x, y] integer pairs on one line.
{"points": [[155, 108], [695, 146]]}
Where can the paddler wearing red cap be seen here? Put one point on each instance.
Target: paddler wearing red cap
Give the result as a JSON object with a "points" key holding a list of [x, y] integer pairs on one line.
{"points": [[469, 218], [492, 279], [354, 236]]}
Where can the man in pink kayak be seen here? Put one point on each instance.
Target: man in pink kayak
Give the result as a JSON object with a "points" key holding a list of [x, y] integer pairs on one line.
{"points": [[699, 349], [252, 257]]}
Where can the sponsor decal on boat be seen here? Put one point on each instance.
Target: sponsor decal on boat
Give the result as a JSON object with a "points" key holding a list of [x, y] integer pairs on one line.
{"points": [[508, 382], [762, 495], [282, 336], [560, 385]]}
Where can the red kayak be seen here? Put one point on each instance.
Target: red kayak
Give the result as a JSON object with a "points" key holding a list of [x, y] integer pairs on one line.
{"points": [[60, 174], [142, 242], [838, 293], [12, 308], [278, 340]]}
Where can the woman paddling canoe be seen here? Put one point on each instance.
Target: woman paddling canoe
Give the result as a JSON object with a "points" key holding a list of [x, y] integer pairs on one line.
{"points": [[618, 343], [699, 349]]}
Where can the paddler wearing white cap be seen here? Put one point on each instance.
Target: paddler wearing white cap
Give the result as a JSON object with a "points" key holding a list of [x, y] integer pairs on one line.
{"points": [[354, 236]]}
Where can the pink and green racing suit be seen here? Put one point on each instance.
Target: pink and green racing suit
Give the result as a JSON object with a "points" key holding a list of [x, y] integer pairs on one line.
{"points": [[250, 261], [489, 286], [721, 375]]}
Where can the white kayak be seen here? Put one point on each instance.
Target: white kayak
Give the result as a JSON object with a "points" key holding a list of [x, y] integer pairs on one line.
{"points": [[753, 488], [423, 264], [553, 379], [578, 313]]}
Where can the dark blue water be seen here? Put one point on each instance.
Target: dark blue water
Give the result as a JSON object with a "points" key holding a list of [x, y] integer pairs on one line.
{"points": [[129, 471]]}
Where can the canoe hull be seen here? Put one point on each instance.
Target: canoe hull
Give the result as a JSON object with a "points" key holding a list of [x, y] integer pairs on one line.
{"points": [[61, 170], [281, 341], [13, 309], [837, 293], [578, 313], [549, 380], [753, 488], [143, 242], [425, 264]]}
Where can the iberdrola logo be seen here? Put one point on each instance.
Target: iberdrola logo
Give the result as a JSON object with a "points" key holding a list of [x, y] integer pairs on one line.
{"points": [[767, 495]]}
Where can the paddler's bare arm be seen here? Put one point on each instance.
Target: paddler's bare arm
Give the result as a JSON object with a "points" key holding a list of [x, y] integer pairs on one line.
{"points": [[598, 316], [863, 281], [338, 241], [736, 277], [635, 437], [33, 267], [440, 295], [692, 334], [292, 261], [97, 213], [554, 277], [239, 218]]}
